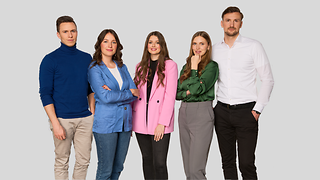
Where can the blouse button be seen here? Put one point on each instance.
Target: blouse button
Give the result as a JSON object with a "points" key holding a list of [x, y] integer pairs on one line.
{"points": [[125, 108]]}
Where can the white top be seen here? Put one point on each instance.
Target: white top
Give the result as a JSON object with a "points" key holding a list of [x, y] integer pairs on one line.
{"points": [[238, 68], [116, 74]]}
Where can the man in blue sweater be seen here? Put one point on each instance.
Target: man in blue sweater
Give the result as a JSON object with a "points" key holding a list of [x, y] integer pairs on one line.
{"points": [[66, 97]]}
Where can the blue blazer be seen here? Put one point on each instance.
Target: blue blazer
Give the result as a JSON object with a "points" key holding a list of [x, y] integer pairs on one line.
{"points": [[113, 111]]}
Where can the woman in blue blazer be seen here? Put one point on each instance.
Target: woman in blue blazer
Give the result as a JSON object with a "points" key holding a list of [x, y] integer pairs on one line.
{"points": [[114, 91]]}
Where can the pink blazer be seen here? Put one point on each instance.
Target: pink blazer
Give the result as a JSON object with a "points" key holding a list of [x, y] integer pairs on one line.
{"points": [[161, 103]]}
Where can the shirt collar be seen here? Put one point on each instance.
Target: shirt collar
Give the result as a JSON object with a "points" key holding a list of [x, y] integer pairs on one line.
{"points": [[239, 39]]}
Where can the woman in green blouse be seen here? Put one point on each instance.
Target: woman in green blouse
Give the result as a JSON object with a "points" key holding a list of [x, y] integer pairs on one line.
{"points": [[196, 118]]}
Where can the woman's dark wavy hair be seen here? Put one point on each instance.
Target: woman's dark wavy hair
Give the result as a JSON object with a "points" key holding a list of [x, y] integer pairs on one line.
{"points": [[143, 67], [97, 57], [205, 59]]}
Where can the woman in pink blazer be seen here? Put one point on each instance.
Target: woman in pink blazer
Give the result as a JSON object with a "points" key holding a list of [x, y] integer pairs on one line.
{"points": [[153, 112]]}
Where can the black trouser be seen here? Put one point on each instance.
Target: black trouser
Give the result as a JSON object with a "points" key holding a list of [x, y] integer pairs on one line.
{"points": [[154, 156], [236, 125]]}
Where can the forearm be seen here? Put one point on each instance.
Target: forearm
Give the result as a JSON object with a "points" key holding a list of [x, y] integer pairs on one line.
{"points": [[200, 85], [181, 95], [91, 102], [128, 101], [57, 129], [52, 114], [267, 83]]}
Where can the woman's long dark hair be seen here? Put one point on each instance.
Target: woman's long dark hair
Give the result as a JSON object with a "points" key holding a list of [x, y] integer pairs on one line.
{"points": [[143, 67], [97, 57], [205, 59]]}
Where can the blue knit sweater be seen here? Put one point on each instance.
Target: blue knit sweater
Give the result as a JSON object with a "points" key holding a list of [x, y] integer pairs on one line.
{"points": [[63, 81]]}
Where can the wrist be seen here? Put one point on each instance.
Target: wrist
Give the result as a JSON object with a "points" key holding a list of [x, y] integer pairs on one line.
{"points": [[257, 112]]}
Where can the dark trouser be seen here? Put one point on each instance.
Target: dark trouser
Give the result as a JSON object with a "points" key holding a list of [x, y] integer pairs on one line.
{"points": [[154, 156], [237, 126]]}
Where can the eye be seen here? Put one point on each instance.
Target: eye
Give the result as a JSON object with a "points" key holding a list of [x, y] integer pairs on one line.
{"points": [[150, 42], [194, 43], [114, 42]]}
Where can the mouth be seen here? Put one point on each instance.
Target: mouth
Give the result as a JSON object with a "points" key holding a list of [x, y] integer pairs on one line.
{"points": [[232, 29], [110, 50], [153, 49], [197, 52]]}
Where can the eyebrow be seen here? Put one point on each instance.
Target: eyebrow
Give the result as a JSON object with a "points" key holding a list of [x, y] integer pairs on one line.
{"points": [[64, 30], [109, 40]]}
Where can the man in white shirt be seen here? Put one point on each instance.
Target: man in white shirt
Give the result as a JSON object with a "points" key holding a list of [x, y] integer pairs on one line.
{"points": [[239, 104]]}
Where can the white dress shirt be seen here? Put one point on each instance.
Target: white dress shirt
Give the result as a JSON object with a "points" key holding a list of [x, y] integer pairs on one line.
{"points": [[238, 68]]}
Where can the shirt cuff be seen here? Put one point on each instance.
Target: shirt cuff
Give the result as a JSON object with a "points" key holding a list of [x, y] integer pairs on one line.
{"points": [[194, 73], [258, 107]]}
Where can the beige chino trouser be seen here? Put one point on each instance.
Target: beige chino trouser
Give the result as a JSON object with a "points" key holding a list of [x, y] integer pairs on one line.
{"points": [[78, 132]]}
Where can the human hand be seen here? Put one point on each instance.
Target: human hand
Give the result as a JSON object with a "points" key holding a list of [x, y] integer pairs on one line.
{"points": [[58, 131], [135, 92], [255, 115], [106, 87], [195, 60], [158, 132], [188, 92]]}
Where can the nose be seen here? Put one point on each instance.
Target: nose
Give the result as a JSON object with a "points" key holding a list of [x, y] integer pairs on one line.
{"points": [[231, 23], [70, 35], [110, 44]]}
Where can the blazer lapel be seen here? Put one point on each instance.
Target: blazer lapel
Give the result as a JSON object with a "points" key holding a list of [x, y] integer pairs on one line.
{"points": [[107, 72], [154, 84], [123, 77]]}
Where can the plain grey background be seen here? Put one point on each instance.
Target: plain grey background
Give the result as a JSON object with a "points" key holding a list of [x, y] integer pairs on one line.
{"points": [[288, 144]]}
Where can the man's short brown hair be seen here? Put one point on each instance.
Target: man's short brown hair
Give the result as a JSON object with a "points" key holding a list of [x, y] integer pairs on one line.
{"points": [[232, 9], [64, 19]]}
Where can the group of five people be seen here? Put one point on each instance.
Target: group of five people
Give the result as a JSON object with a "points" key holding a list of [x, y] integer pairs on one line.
{"points": [[83, 94]]}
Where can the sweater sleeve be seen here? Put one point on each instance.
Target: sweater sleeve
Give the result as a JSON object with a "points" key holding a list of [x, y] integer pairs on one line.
{"points": [[46, 76]]}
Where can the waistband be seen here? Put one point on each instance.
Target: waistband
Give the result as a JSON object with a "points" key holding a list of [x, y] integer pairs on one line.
{"points": [[196, 104], [237, 106]]}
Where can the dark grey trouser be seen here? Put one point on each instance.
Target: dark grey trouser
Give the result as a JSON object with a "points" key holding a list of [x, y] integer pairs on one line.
{"points": [[196, 122]]}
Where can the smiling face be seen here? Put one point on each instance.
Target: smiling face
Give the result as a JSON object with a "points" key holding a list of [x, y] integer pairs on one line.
{"points": [[200, 45], [154, 47], [231, 23], [108, 45], [68, 33]]}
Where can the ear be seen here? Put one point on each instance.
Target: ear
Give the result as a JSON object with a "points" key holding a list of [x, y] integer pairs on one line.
{"points": [[241, 24], [222, 23], [58, 35]]}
